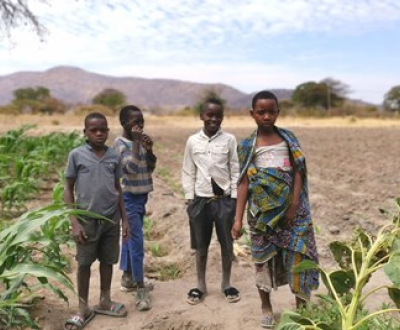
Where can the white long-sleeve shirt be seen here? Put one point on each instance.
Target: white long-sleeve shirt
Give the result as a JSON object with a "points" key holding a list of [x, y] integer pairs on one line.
{"points": [[207, 158]]}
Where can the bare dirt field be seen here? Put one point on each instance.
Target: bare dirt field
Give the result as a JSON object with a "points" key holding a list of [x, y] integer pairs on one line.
{"points": [[353, 167]]}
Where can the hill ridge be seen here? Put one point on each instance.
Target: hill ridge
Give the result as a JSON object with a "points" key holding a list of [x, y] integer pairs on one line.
{"points": [[75, 85]]}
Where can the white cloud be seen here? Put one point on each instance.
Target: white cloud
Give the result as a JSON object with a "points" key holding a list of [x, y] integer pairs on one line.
{"points": [[241, 43]]}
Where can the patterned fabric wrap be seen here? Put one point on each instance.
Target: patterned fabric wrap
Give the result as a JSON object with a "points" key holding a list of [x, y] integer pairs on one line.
{"points": [[269, 196]]}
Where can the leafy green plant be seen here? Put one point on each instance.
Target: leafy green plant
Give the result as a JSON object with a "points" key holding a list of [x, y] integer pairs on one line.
{"points": [[29, 164], [169, 272], [30, 248], [357, 261], [148, 225], [158, 250]]}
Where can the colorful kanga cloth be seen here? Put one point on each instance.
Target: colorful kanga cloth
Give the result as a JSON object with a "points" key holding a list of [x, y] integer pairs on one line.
{"points": [[269, 196]]}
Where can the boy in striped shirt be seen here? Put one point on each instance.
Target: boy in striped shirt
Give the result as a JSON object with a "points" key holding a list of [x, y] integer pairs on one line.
{"points": [[138, 163]]}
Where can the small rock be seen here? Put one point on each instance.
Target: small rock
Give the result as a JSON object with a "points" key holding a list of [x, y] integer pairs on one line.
{"points": [[324, 252], [346, 217], [334, 230], [169, 212]]}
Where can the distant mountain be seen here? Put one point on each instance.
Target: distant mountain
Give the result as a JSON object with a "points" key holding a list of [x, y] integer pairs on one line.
{"points": [[73, 85]]}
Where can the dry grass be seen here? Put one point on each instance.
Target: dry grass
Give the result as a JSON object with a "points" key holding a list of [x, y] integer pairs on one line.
{"points": [[74, 122]]}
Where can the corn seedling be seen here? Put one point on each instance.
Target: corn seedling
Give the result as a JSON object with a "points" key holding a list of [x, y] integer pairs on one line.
{"points": [[31, 248], [147, 228], [28, 164]]}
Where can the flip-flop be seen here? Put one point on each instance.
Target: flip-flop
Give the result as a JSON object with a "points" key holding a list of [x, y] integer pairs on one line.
{"points": [[232, 295], [114, 310], [77, 322], [195, 296], [267, 322]]}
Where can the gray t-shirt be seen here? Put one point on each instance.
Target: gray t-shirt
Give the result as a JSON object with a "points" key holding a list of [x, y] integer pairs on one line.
{"points": [[95, 179]]}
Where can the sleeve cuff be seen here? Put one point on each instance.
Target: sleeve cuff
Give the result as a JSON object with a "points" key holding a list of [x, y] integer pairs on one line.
{"points": [[189, 196]]}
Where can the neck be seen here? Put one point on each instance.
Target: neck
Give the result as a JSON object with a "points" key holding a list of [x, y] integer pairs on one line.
{"points": [[97, 149], [265, 131], [210, 134], [126, 136]]}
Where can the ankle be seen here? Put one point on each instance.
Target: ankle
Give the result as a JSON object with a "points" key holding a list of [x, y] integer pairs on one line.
{"points": [[127, 276]]}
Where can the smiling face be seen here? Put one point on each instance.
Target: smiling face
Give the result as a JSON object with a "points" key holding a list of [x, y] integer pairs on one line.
{"points": [[96, 132], [212, 116], [265, 113]]}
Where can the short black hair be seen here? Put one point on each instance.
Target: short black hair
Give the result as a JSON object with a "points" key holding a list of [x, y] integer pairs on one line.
{"points": [[124, 113], [94, 115], [264, 95], [211, 100]]}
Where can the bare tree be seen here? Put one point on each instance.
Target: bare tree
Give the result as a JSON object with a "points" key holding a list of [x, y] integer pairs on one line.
{"points": [[14, 13]]}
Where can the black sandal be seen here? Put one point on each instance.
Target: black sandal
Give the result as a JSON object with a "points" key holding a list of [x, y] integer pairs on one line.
{"points": [[195, 296], [232, 295]]}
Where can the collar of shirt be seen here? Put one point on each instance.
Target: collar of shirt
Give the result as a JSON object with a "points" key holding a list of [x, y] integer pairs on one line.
{"points": [[90, 148], [204, 136]]}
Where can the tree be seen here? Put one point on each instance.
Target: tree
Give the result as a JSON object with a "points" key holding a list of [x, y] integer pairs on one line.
{"points": [[111, 98], [206, 94], [36, 100], [327, 93], [16, 13], [310, 94], [34, 94], [392, 99]]}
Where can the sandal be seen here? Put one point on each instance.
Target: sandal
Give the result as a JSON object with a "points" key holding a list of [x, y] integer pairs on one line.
{"points": [[142, 300], [195, 296], [129, 286], [77, 322], [115, 310], [267, 322], [232, 295]]}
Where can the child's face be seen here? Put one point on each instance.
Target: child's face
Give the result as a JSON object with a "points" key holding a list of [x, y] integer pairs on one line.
{"points": [[212, 117], [265, 113], [135, 120], [96, 131]]}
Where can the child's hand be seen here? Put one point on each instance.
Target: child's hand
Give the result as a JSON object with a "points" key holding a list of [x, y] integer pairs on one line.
{"points": [[136, 133], [79, 233], [290, 214], [125, 231], [236, 231], [147, 142]]}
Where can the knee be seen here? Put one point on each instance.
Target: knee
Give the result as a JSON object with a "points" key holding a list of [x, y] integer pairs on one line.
{"points": [[83, 268]]}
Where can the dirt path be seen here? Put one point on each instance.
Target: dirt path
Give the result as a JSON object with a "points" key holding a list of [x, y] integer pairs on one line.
{"points": [[169, 308]]}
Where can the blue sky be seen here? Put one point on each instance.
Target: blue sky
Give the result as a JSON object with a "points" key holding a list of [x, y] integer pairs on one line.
{"points": [[250, 45]]}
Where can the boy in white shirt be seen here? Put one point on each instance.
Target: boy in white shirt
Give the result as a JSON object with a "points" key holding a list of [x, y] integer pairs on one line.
{"points": [[209, 178]]}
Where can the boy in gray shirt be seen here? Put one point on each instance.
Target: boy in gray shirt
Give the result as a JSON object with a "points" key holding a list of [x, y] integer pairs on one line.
{"points": [[92, 179]]}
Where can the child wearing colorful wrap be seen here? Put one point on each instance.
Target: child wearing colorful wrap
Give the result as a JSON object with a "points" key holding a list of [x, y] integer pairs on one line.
{"points": [[273, 182]]}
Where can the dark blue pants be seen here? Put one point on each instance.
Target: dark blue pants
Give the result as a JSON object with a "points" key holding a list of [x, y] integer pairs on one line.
{"points": [[132, 251]]}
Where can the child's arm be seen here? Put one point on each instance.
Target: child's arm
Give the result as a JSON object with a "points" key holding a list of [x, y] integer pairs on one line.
{"points": [[150, 157], [77, 230], [188, 172], [297, 184], [242, 191], [234, 167], [122, 210], [130, 159]]}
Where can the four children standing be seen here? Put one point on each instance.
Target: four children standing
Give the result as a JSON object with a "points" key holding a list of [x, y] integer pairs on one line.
{"points": [[272, 181]]}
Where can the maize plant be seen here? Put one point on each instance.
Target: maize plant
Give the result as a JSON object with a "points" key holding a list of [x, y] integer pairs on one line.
{"points": [[29, 164], [31, 248]]}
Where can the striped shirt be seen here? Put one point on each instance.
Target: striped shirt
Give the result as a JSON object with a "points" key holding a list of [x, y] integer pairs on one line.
{"points": [[136, 169]]}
